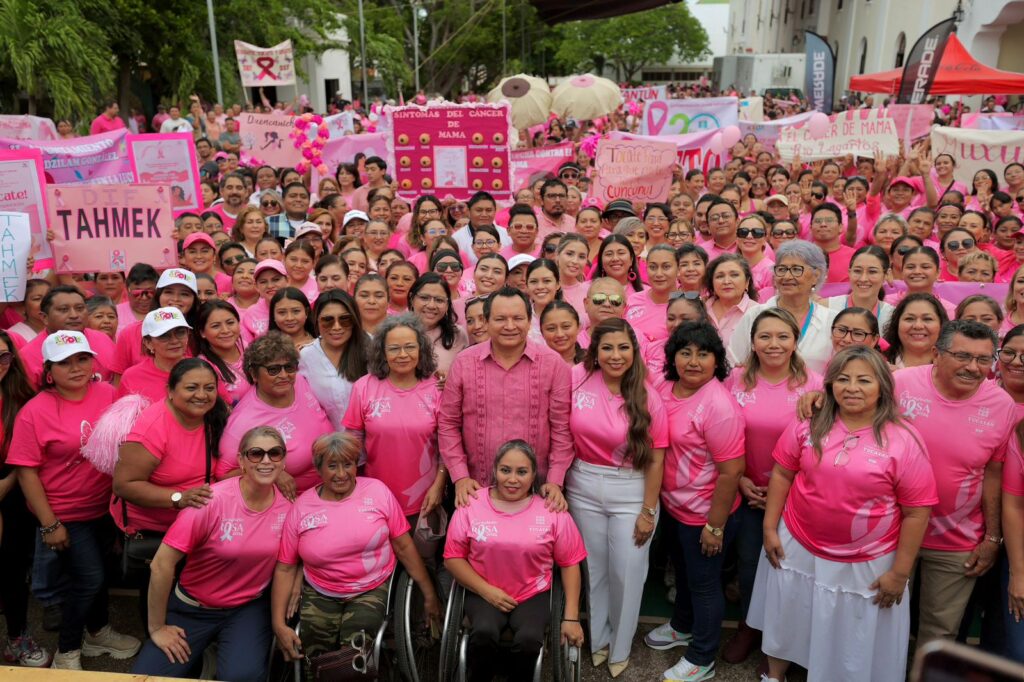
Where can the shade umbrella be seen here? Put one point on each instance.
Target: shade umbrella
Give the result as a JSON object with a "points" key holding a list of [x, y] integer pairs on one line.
{"points": [[585, 97], [529, 96]]}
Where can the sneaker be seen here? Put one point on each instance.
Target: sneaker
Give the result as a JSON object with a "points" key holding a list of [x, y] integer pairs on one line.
{"points": [[68, 660], [765, 678], [24, 651], [108, 641], [52, 617], [665, 637], [684, 671]]}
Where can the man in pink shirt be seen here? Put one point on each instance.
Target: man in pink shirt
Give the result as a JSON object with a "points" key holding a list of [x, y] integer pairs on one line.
{"points": [[522, 229], [108, 120], [965, 422], [504, 389], [376, 168], [826, 223], [722, 218], [551, 216], [232, 191]]}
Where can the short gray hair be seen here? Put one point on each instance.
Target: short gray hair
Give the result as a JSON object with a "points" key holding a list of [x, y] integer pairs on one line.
{"points": [[976, 331], [336, 446], [378, 361], [893, 218], [627, 225], [809, 253]]}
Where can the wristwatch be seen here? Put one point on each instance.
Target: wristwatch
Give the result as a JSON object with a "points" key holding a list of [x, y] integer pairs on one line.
{"points": [[717, 532], [176, 499], [650, 511]]}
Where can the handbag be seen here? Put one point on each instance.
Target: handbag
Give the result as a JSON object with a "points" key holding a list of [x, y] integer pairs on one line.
{"points": [[352, 661]]}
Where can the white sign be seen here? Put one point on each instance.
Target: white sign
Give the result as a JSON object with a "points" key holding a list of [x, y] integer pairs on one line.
{"points": [[863, 132], [263, 66], [15, 244], [977, 149]]}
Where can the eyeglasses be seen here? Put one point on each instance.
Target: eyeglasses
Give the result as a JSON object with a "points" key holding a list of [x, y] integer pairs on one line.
{"points": [[142, 293], [840, 332], [678, 235], [570, 175], [6, 358], [446, 267], [484, 243], [756, 232], [719, 217], [288, 367], [436, 233], [613, 300], [656, 219], [967, 358], [957, 244], [233, 260], [783, 270], [427, 298], [824, 221], [556, 197], [430, 211], [177, 333], [1006, 355], [817, 195], [256, 455], [330, 321], [407, 349], [843, 456], [783, 234], [269, 204]]}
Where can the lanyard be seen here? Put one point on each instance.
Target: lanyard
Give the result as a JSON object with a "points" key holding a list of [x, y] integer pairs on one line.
{"points": [[807, 321]]}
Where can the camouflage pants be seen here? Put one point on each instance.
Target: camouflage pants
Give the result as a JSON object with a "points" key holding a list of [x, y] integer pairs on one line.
{"points": [[328, 621]]}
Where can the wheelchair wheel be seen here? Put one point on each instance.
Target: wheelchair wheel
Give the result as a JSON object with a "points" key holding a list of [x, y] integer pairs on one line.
{"points": [[555, 629], [451, 634], [417, 652]]}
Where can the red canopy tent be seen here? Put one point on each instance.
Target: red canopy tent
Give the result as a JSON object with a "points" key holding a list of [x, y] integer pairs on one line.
{"points": [[959, 74]]}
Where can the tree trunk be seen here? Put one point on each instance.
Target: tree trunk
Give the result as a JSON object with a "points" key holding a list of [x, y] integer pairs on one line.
{"points": [[124, 89], [31, 105]]}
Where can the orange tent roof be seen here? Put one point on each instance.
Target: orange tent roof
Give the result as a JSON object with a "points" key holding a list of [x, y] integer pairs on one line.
{"points": [[959, 74]]}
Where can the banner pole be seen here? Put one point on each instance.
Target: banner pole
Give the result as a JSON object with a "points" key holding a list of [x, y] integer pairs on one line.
{"points": [[213, 49]]}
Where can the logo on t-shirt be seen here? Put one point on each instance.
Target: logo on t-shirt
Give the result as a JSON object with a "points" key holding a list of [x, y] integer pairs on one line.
{"points": [[286, 429], [316, 519], [913, 406], [634, 313], [230, 529], [584, 400], [744, 398], [379, 407], [483, 530]]}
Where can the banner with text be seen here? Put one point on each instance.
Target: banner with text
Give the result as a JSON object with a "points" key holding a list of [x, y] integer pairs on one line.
{"points": [[23, 190], [91, 160], [27, 128], [637, 170], [923, 63], [111, 228], [456, 149], [341, 124], [977, 149], [767, 132], [752, 109], [265, 137], [913, 121], [528, 164], [265, 66], [344, 149], [693, 151], [644, 93], [15, 245], [168, 159], [819, 72], [681, 116], [863, 132]]}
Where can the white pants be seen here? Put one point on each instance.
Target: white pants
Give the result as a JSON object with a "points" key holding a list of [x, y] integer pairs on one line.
{"points": [[605, 501]]}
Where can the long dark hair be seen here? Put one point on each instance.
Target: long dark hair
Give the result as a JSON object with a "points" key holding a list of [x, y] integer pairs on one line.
{"points": [[634, 272], [292, 294], [634, 390], [447, 324], [352, 364], [216, 418], [892, 329], [205, 349], [15, 391]]}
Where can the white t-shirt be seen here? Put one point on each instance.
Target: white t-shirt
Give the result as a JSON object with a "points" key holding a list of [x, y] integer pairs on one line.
{"points": [[180, 125]]}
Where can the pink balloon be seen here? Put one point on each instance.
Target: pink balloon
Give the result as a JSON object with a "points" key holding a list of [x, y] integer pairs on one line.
{"points": [[818, 125], [715, 144], [730, 136]]}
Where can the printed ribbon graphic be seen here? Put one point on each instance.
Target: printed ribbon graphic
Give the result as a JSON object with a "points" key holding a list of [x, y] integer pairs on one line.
{"points": [[266, 63]]}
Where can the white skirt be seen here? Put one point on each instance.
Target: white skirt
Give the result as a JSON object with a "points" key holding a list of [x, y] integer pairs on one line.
{"points": [[818, 614]]}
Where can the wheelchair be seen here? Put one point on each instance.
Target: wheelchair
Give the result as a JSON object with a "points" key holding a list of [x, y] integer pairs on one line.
{"points": [[565, 659], [399, 651]]}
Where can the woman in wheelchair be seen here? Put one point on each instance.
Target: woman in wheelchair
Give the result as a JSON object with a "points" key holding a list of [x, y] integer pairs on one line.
{"points": [[501, 548], [347, 532], [221, 596]]}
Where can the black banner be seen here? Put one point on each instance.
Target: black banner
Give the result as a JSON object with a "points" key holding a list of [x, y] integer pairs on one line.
{"points": [[819, 72], [923, 62]]}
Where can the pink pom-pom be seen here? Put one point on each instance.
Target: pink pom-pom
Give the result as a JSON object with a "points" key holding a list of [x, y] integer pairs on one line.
{"points": [[110, 431], [301, 167], [323, 132], [589, 146], [307, 154]]}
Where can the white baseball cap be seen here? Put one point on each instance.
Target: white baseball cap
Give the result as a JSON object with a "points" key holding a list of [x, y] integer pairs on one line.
{"points": [[63, 344], [354, 215], [162, 320], [309, 228], [178, 276], [519, 259]]}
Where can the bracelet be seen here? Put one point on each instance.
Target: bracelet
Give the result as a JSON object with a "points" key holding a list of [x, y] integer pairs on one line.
{"points": [[569, 620], [49, 529], [993, 538], [650, 511]]}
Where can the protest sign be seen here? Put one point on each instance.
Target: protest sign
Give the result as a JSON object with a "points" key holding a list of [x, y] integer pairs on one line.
{"points": [[644, 93], [864, 132], [977, 149], [693, 151], [752, 109], [15, 245], [913, 121], [456, 149], [341, 124], [344, 150], [997, 121], [91, 160], [637, 170], [110, 228], [168, 159], [22, 190], [544, 161], [265, 137], [767, 132], [27, 128], [680, 116], [264, 66]]}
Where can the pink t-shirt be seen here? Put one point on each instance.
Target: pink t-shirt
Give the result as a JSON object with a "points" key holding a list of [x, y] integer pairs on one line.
{"points": [[961, 438], [49, 434], [32, 355], [400, 427], [574, 296], [345, 545], [514, 552], [767, 410], [232, 550], [255, 320], [300, 424], [714, 250], [839, 264], [852, 512], [598, 421], [1013, 468], [231, 392], [145, 379], [704, 429], [647, 318], [182, 463], [125, 315]]}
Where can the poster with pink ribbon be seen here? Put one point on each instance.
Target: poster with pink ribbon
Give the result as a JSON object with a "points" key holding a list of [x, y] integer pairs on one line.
{"points": [[168, 159], [91, 160], [266, 137], [110, 228], [456, 149], [263, 66], [22, 190], [528, 164]]}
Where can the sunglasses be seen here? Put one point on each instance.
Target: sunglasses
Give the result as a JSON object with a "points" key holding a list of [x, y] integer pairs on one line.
{"points": [[550, 248], [1020, 199], [448, 267], [957, 244], [256, 455], [781, 234], [571, 175], [688, 295], [903, 250], [330, 321], [744, 232], [234, 260], [613, 300], [142, 293], [817, 195], [269, 204], [288, 367]]}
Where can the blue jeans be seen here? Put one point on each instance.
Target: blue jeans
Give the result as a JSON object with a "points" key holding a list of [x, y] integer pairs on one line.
{"points": [[82, 564], [1014, 630], [749, 547], [243, 637], [700, 602], [49, 584]]}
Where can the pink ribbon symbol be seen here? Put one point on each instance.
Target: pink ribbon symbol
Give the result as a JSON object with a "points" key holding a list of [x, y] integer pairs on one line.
{"points": [[265, 63]]}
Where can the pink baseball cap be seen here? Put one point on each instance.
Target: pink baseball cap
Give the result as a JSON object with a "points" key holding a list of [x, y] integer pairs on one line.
{"points": [[199, 237], [270, 264]]}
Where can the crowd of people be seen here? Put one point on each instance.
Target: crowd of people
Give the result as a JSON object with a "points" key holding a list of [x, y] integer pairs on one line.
{"points": [[771, 378]]}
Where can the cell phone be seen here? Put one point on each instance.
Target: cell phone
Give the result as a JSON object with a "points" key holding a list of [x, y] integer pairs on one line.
{"points": [[945, 661]]}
